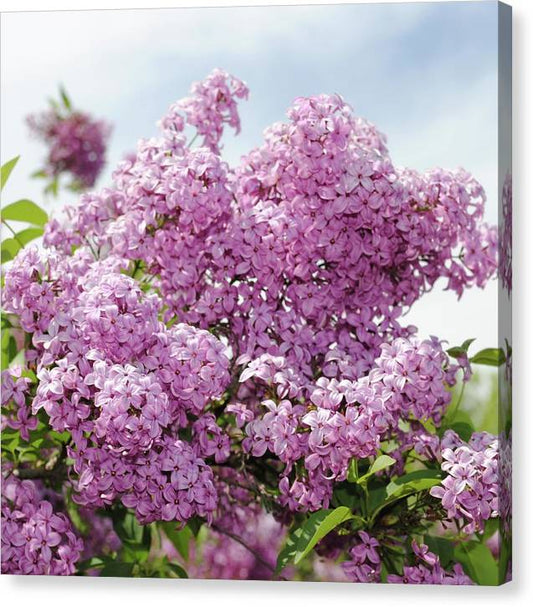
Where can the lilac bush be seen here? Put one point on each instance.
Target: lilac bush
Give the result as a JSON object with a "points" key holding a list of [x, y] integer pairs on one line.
{"points": [[215, 367]]}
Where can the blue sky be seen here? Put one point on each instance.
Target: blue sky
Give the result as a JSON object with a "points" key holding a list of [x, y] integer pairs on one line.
{"points": [[424, 73]]}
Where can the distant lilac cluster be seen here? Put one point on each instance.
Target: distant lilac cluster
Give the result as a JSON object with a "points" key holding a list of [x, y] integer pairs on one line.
{"points": [[35, 539], [470, 490], [76, 144]]}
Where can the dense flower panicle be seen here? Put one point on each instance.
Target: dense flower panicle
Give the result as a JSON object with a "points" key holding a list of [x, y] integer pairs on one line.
{"points": [[117, 318], [134, 410], [346, 419], [121, 383], [77, 144], [193, 322], [192, 365], [470, 491], [324, 243], [35, 539], [211, 105], [167, 483]]}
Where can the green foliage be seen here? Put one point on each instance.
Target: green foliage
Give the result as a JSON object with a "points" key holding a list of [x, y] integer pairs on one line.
{"points": [[5, 171], [382, 462], [492, 357], [65, 98], [181, 538], [117, 569], [25, 210], [404, 486], [463, 429], [136, 538], [442, 547], [478, 562], [305, 537], [9, 347], [462, 350], [10, 248]]}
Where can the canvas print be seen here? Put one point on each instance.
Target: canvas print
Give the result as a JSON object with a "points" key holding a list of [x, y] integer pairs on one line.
{"points": [[256, 293]]}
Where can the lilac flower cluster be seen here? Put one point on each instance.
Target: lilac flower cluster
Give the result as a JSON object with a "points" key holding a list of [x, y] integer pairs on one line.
{"points": [[121, 383], [194, 324], [35, 539], [344, 419], [76, 144], [470, 490], [212, 104]]}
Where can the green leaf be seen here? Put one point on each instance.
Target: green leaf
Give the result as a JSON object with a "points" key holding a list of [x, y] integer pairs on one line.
{"points": [[74, 514], [504, 558], [463, 429], [10, 248], [345, 495], [93, 562], [52, 187], [65, 98], [288, 552], [478, 563], [181, 538], [381, 463], [117, 569], [11, 348], [29, 234], [25, 210], [461, 350], [303, 539], [41, 174], [492, 357], [195, 524], [413, 483], [442, 547], [352, 475], [5, 171], [409, 484], [178, 570], [320, 524]]}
